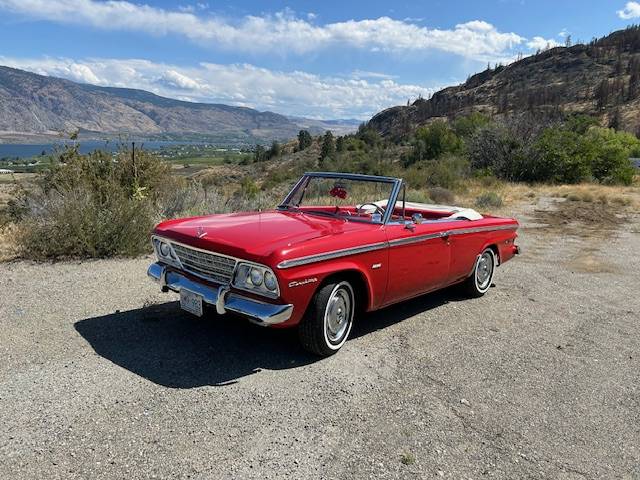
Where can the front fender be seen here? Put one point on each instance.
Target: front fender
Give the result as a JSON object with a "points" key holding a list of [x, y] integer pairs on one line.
{"points": [[299, 284]]}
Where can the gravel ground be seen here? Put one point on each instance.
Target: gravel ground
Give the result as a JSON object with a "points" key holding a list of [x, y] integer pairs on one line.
{"points": [[102, 376]]}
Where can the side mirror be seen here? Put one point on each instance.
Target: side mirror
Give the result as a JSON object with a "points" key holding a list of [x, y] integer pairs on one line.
{"points": [[409, 225]]}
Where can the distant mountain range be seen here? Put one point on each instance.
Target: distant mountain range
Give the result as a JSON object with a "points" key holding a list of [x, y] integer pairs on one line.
{"points": [[601, 78], [36, 106]]}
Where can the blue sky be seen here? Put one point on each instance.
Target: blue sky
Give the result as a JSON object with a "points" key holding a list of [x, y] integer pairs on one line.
{"points": [[327, 59]]}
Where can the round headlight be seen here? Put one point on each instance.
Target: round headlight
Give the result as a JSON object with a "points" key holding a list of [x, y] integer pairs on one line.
{"points": [[165, 251], [270, 281], [256, 277]]}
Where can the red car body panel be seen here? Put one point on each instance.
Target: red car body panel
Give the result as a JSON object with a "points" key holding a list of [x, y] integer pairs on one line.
{"points": [[397, 262]]}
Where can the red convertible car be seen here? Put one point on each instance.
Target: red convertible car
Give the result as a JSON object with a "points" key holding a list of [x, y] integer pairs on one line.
{"points": [[338, 245]]}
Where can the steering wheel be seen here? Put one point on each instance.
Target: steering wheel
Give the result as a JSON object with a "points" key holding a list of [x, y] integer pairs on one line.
{"points": [[378, 208]]}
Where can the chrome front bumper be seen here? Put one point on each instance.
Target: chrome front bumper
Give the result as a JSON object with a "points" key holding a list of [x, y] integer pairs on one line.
{"points": [[220, 297]]}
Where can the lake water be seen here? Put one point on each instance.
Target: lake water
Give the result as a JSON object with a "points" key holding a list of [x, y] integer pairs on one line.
{"points": [[13, 150]]}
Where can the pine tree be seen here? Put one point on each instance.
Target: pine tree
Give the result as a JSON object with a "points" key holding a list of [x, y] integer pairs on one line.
{"points": [[304, 140], [328, 146]]}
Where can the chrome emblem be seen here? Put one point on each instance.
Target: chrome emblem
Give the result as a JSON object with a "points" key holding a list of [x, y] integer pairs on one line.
{"points": [[200, 231], [296, 283]]}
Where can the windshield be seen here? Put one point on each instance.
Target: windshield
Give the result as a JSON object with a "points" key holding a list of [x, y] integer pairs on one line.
{"points": [[348, 197]]}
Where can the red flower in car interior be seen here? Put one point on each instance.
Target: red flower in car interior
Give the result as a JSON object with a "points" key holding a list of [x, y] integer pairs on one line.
{"points": [[339, 192]]}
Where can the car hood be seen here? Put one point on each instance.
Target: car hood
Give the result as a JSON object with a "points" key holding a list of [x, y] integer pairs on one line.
{"points": [[256, 235]]}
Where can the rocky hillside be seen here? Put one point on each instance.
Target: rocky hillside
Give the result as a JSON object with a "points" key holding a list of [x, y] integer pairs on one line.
{"points": [[601, 78], [39, 105]]}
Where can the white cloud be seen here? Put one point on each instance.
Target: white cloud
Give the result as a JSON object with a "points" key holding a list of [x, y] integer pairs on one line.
{"points": [[539, 43], [291, 93], [631, 10], [281, 32], [181, 81]]}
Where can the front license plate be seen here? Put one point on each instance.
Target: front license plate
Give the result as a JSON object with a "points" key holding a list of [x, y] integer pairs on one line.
{"points": [[191, 302]]}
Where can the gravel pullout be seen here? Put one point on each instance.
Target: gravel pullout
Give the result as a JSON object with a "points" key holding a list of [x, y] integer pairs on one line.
{"points": [[102, 376]]}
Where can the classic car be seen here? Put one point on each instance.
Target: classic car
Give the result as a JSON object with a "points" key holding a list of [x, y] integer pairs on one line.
{"points": [[338, 245]]}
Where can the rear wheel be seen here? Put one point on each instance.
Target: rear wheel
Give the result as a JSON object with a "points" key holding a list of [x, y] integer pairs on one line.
{"points": [[327, 323], [480, 280]]}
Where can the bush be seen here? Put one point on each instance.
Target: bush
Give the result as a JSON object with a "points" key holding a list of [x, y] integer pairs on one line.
{"points": [[447, 172], [468, 125], [418, 196], [94, 205], [610, 163], [563, 156], [501, 150], [561, 153], [442, 195], [489, 199]]}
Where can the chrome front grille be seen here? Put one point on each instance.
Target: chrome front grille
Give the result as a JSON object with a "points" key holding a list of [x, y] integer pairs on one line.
{"points": [[213, 267]]}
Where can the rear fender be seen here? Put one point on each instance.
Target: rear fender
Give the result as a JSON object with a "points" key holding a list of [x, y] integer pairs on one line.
{"points": [[503, 244]]}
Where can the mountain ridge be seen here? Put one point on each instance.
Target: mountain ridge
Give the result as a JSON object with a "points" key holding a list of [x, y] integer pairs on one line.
{"points": [[40, 106], [601, 78]]}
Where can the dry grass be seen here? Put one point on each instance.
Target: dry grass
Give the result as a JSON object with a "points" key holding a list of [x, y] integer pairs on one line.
{"points": [[9, 184], [514, 195], [594, 193], [8, 247]]}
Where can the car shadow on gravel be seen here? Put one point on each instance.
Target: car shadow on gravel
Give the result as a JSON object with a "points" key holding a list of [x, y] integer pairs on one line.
{"points": [[175, 349], [178, 350]]}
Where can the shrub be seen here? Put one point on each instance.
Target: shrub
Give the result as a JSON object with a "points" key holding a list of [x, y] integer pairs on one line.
{"points": [[441, 195], [563, 156], [610, 163], [94, 205], [248, 188], [489, 199], [447, 172], [418, 196], [500, 150], [470, 124]]}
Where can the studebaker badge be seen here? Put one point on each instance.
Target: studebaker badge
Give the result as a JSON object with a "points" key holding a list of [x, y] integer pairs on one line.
{"points": [[338, 246]]}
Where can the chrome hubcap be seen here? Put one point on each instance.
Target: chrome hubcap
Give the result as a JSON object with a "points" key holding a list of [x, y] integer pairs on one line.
{"points": [[338, 314], [484, 270]]}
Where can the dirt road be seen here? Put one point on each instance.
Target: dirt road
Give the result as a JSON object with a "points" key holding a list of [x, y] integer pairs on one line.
{"points": [[102, 376]]}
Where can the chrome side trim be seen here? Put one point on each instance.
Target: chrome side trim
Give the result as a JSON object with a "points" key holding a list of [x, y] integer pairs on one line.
{"points": [[416, 239], [296, 262], [488, 228]]}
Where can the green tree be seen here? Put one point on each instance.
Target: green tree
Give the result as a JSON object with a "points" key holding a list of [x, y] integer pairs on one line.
{"points": [[434, 140], [304, 140], [340, 144], [328, 150]]}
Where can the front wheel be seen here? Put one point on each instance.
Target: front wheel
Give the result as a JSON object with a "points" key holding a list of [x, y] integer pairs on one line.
{"points": [[480, 280], [327, 323]]}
